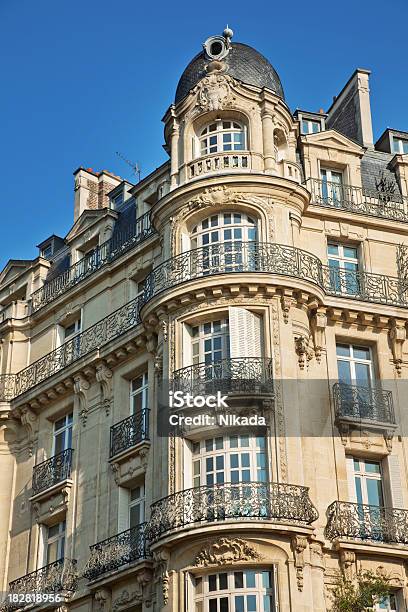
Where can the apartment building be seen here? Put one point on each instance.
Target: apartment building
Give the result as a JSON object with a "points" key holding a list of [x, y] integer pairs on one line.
{"points": [[268, 259]]}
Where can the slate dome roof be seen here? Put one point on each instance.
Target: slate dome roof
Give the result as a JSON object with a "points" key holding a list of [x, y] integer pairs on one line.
{"points": [[243, 63]]}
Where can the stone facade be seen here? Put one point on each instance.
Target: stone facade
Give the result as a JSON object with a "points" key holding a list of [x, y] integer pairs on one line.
{"points": [[270, 257]]}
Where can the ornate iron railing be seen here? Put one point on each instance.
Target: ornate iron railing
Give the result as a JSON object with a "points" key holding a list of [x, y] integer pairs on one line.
{"points": [[358, 402], [366, 522], [129, 432], [103, 254], [238, 257], [353, 199], [7, 387], [232, 375], [52, 471], [55, 578], [114, 552], [245, 500], [112, 326]]}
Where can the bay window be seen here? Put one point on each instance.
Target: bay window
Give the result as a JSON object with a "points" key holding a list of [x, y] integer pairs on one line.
{"points": [[222, 136]]}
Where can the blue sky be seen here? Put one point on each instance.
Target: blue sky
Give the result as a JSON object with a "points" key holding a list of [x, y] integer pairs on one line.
{"points": [[84, 79]]}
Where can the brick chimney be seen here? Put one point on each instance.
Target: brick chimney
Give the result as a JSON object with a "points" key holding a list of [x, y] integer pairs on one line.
{"points": [[91, 189]]}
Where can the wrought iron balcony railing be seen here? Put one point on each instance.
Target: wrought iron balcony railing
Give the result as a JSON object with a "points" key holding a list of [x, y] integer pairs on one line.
{"points": [[232, 375], [366, 522], [56, 578], [112, 326], [382, 204], [103, 254], [129, 432], [112, 553], [359, 402], [7, 387], [223, 502], [283, 260], [52, 471]]}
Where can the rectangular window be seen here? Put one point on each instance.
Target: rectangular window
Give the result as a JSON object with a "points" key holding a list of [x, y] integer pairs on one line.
{"points": [[139, 388], [331, 187], [247, 590], [62, 434], [388, 604], [343, 268], [136, 506], [400, 145], [368, 482], [72, 329], [47, 251], [309, 126], [354, 364], [55, 543]]}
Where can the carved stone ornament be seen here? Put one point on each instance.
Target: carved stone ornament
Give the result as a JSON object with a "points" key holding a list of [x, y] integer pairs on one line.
{"points": [[303, 350], [30, 422], [398, 335], [225, 551], [214, 92], [318, 326], [287, 302], [103, 600], [161, 572], [127, 598], [299, 544], [81, 386], [347, 562]]}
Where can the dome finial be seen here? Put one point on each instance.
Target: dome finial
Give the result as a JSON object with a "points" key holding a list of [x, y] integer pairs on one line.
{"points": [[228, 33]]}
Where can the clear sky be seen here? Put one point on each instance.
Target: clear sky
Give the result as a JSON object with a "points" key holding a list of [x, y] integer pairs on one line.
{"points": [[82, 79]]}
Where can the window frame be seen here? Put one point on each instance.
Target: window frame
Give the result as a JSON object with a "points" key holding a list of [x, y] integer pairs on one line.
{"points": [[205, 135], [65, 431], [142, 390], [138, 502], [399, 149], [310, 122], [59, 539], [353, 360]]}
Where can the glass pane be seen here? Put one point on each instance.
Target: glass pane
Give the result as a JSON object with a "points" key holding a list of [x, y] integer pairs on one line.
{"points": [[266, 580], [359, 494], [213, 605], [350, 252], [209, 464], [251, 603], [343, 350], [224, 604], [219, 443], [250, 580], [219, 462], [212, 582], [372, 467], [239, 580], [333, 249], [374, 492], [234, 461], [134, 515], [362, 374], [233, 441], [245, 460], [361, 352], [223, 581], [244, 441], [344, 372], [239, 603]]}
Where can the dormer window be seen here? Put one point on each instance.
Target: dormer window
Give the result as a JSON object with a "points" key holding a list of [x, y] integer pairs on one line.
{"points": [[311, 127], [117, 200], [46, 252], [400, 145], [222, 136]]}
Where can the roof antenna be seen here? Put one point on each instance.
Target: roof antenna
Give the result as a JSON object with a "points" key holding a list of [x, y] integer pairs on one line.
{"points": [[134, 165]]}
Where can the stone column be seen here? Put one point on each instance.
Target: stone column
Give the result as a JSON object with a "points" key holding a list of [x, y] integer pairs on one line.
{"points": [[268, 144], [174, 164]]}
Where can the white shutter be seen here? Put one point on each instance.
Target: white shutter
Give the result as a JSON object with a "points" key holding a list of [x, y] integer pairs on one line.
{"points": [[188, 465], [351, 479], [245, 333], [185, 243], [394, 474], [123, 509], [60, 336], [42, 541], [187, 350]]}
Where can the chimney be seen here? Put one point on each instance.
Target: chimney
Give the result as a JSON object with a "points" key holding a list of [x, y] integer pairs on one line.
{"points": [[91, 189]]}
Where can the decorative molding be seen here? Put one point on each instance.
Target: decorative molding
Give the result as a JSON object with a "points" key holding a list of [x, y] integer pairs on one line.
{"points": [[103, 600], [287, 301], [225, 551], [347, 562], [161, 572], [397, 336], [214, 92], [303, 350], [318, 326], [299, 544], [104, 378], [30, 422], [81, 386]]}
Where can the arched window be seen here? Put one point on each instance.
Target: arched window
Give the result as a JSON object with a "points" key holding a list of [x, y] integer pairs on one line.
{"points": [[222, 136]]}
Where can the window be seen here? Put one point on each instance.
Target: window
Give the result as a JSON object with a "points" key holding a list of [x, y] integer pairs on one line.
{"points": [[222, 136], [136, 506], [117, 200], [47, 251], [400, 145], [354, 364], [72, 329], [227, 241], [368, 482], [210, 341], [229, 459], [240, 591], [309, 126], [331, 186], [55, 543], [139, 388], [343, 268], [388, 604], [62, 434]]}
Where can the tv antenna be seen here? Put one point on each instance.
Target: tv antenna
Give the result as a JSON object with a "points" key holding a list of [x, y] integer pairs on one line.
{"points": [[134, 165]]}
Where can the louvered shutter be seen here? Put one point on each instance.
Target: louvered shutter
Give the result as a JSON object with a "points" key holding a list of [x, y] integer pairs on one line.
{"points": [[123, 509], [187, 349], [351, 479], [42, 540], [394, 473], [245, 333]]}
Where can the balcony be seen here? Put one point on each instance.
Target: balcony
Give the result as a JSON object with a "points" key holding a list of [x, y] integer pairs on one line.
{"points": [[104, 254], [129, 432], [276, 259], [236, 375], [58, 579], [216, 162], [52, 472], [363, 522], [382, 204], [262, 501], [95, 337], [113, 553], [358, 403]]}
